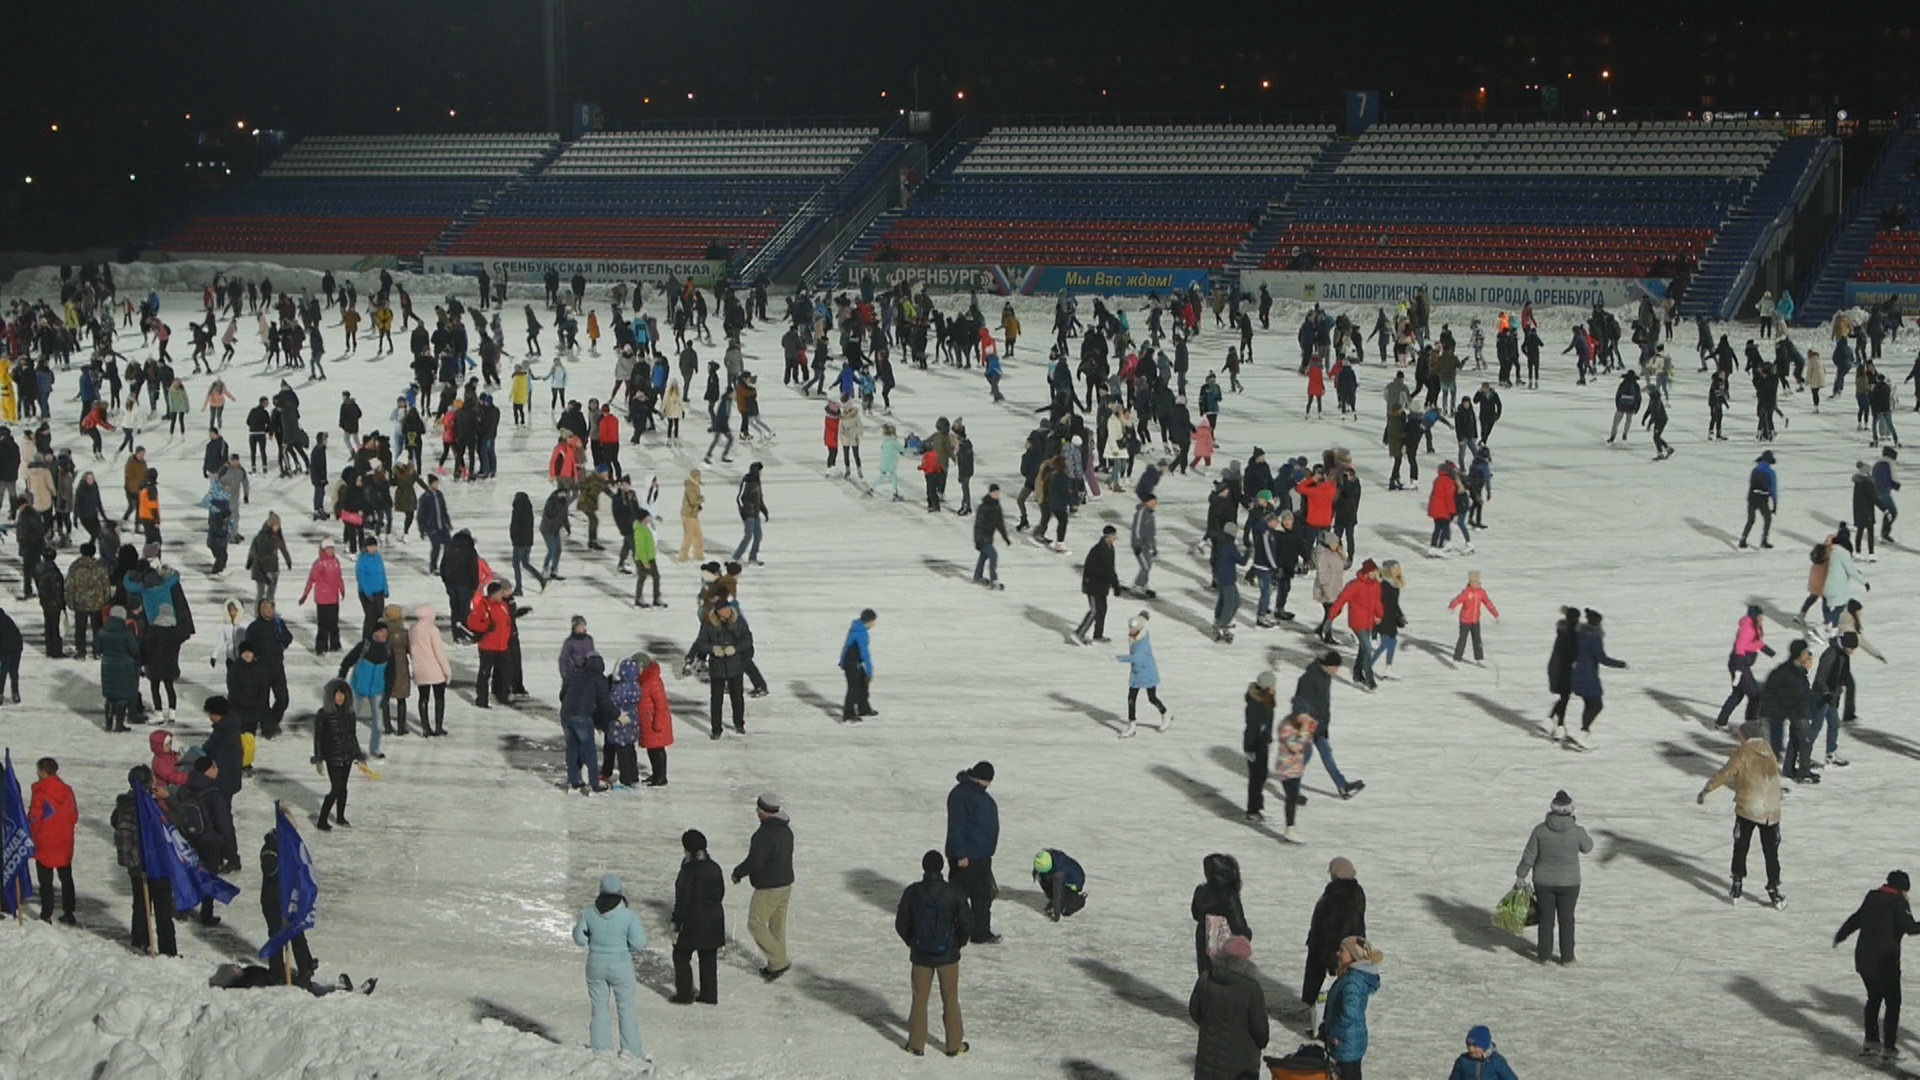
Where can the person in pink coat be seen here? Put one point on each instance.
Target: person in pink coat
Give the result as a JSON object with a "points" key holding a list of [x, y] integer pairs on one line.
{"points": [[166, 760], [1749, 641], [1203, 442], [1470, 603], [432, 669], [1316, 388], [324, 584]]}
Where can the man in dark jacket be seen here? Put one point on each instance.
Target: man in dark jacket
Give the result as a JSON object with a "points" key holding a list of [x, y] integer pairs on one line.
{"points": [[768, 867], [152, 897], [1231, 1009], [699, 922], [1098, 580], [935, 923], [1313, 696], [1786, 704], [990, 522], [584, 700], [1883, 919], [726, 643], [270, 638], [435, 523], [1340, 913], [223, 746], [973, 835]]}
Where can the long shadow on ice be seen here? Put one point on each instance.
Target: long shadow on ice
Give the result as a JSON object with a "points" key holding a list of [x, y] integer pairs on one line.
{"points": [[947, 568], [1713, 532], [1677, 865], [1687, 759], [1472, 925], [1133, 991], [545, 758], [1047, 620], [1506, 714], [1106, 718], [813, 698], [1210, 799], [1797, 1016], [487, 1009], [1880, 740], [1411, 539], [1683, 708], [856, 1001], [1081, 1069], [877, 889]]}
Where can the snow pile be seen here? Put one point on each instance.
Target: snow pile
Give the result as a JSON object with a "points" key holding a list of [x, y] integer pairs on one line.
{"points": [[77, 1006]]}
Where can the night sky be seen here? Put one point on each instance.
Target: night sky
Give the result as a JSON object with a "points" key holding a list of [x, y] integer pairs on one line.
{"points": [[122, 81]]}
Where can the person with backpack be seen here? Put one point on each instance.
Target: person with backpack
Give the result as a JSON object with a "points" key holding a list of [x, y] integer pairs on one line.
{"points": [[699, 922], [1882, 920], [1216, 908], [612, 935], [51, 818], [935, 922], [973, 835], [1231, 1010]]}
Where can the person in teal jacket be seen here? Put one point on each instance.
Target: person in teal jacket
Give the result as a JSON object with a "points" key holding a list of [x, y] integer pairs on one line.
{"points": [[370, 580], [611, 933], [1346, 1022], [1142, 674], [856, 662], [1481, 1061]]}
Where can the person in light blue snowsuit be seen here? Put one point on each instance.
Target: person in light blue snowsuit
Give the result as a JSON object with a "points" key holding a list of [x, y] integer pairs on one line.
{"points": [[611, 933], [1142, 674]]}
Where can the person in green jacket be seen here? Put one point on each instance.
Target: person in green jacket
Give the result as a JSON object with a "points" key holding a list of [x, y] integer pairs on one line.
{"points": [[645, 560], [611, 932]]}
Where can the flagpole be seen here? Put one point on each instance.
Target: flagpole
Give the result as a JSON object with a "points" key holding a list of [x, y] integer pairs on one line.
{"points": [[19, 904], [146, 900], [286, 962]]}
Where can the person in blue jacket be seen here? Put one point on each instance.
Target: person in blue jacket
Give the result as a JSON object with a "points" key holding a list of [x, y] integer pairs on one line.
{"points": [[1763, 498], [973, 834], [1884, 485], [365, 669], [1226, 559], [856, 662], [1481, 1061], [1062, 881], [612, 933], [370, 579], [1345, 1028], [1590, 655], [1142, 674]]}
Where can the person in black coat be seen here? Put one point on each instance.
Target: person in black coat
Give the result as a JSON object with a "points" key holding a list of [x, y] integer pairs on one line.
{"points": [[1883, 919], [1560, 663], [1098, 580], [336, 749], [460, 573], [699, 922], [1231, 1009], [1217, 897], [1340, 913], [304, 965], [925, 907], [269, 638]]}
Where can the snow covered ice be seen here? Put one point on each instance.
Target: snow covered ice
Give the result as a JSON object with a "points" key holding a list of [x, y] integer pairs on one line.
{"points": [[467, 864]]}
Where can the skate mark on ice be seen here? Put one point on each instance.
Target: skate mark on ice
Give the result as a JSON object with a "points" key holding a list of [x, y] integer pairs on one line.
{"points": [[875, 888], [857, 1001], [1081, 1069], [1506, 714], [947, 568], [1677, 865], [1686, 759], [814, 698], [1880, 740], [1472, 925], [1132, 990], [1106, 718], [488, 1009], [1211, 799], [1047, 620], [1713, 532], [1683, 708], [1822, 1029]]}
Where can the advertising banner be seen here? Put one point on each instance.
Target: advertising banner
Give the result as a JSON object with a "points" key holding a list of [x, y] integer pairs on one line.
{"points": [[1905, 296], [1353, 287], [937, 277], [530, 271], [1027, 280]]}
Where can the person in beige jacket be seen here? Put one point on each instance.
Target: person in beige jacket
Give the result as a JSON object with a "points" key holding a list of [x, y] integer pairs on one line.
{"points": [[691, 503], [1754, 775]]}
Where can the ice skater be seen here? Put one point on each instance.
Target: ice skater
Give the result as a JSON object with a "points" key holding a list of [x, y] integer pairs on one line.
{"points": [[1142, 674]]}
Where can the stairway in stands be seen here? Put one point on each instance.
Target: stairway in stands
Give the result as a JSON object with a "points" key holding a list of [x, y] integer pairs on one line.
{"points": [[1738, 240], [479, 207], [869, 238], [1281, 212], [1851, 241]]}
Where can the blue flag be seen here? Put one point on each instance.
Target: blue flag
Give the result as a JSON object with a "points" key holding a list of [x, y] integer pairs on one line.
{"points": [[16, 846], [298, 890], [166, 855]]}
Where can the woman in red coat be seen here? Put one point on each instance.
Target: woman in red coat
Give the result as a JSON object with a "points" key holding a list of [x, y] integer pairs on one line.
{"points": [[1440, 507], [656, 723], [51, 817]]}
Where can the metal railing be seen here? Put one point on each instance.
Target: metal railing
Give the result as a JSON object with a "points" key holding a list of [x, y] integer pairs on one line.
{"points": [[1776, 231], [1849, 213], [820, 202], [875, 205]]}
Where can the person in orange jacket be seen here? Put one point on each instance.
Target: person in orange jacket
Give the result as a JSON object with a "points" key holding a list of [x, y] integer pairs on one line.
{"points": [[931, 468], [1361, 601], [1317, 494], [51, 817], [1441, 508], [492, 623], [1470, 603]]}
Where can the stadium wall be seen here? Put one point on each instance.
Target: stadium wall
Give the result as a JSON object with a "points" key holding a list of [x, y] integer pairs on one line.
{"points": [[1342, 287]]}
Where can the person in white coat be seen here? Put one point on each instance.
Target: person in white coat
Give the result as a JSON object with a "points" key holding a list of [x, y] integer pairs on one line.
{"points": [[850, 429], [1844, 580], [611, 934], [431, 669]]}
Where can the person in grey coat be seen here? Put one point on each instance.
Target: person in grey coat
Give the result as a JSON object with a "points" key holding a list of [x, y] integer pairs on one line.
{"points": [[1552, 858], [1231, 1009]]}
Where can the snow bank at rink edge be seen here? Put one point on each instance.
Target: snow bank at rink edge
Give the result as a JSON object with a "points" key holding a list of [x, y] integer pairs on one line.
{"points": [[72, 1005]]}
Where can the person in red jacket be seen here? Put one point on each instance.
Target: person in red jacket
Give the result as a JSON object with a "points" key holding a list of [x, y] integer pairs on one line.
{"points": [[51, 816], [491, 621], [1441, 508], [166, 760], [563, 465], [656, 724], [1471, 601], [326, 586], [1317, 494], [1361, 601], [1316, 389], [606, 440], [931, 468]]}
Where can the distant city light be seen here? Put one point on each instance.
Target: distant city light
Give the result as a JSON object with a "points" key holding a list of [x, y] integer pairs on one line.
{"points": [[1266, 84], [396, 108], [1223, 86], [960, 95], [130, 176], [240, 125], [53, 127], [450, 112], [689, 95], [1606, 74], [883, 93], [646, 101], [189, 116], [29, 179]]}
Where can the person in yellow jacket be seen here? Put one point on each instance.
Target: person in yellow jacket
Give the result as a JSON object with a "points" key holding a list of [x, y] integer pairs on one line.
{"points": [[1009, 327], [1754, 775], [593, 333], [383, 322], [9, 403], [520, 393], [646, 560], [350, 319], [691, 503]]}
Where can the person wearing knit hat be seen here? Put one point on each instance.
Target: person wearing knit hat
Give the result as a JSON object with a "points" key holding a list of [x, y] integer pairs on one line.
{"points": [[1360, 599], [1340, 913], [1883, 918], [1753, 772], [1470, 602], [611, 933], [1357, 964], [973, 835], [768, 867], [1749, 641], [699, 922], [1142, 674], [1480, 1061], [1230, 1008], [1552, 858], [935, 922], [1256, 738], [1062, 882]]}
